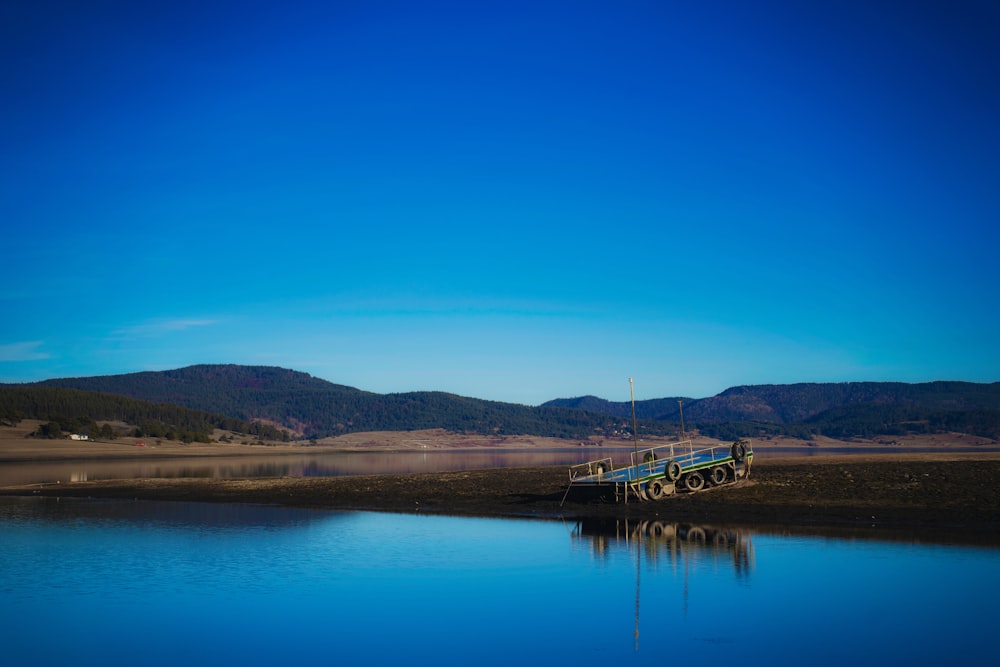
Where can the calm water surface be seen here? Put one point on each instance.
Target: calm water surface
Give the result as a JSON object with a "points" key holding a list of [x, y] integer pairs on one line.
{"points": [[291, 465], [86, 582]]}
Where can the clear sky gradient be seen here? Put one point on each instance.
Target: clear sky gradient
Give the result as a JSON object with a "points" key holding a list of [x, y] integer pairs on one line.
{"points": [[515, 201]]}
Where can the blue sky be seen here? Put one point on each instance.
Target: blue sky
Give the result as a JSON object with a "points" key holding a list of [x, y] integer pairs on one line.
{"points": [[515, 201]]}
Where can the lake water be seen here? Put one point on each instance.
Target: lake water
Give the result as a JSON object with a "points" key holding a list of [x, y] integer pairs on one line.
{"points": [[292, 465], [89, 582]]}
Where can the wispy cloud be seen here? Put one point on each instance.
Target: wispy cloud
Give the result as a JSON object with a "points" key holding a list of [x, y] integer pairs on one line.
{"points": [[160, 327], [26, 351]]}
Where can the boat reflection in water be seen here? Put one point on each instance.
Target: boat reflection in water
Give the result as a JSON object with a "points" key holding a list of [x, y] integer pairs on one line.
{"points": [[674, 542], [680, 546]]}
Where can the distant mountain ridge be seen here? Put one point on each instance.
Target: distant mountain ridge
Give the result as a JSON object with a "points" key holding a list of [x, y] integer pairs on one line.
{"points": [[195, 384], [658, 409], [794, 403], [313, 407]]}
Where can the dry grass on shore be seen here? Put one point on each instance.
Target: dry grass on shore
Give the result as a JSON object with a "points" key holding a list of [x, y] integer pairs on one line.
{"points": [[15, 445]]}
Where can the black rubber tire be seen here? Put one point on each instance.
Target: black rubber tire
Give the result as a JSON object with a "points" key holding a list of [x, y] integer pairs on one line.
{"points": [[654, 490], [739, 452], [673, 471], [717, 475], [694, 481]]}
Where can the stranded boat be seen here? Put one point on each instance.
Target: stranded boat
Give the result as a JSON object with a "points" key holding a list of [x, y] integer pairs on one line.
{"points": [[661, 471]]}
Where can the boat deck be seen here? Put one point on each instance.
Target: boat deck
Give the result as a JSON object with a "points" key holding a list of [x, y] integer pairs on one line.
{"points": [[670, 464]]}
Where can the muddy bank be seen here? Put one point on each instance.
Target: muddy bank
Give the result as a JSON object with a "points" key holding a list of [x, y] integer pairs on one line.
{"points": [[923, 494]]}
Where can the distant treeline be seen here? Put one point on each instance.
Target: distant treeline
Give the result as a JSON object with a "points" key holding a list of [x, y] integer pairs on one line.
{"points": [[314, 408], [335, 413], [325, 413], [836, 410], [875, 419], [75, 411], [867, 421]]}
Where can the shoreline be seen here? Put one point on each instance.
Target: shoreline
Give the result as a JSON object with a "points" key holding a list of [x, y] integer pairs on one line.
{"points": [[938, 497], [16, 446]]}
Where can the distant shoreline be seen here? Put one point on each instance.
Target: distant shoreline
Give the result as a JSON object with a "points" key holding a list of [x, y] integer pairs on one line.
{"points": [[16, 447], [945, 488], [937, 497]]}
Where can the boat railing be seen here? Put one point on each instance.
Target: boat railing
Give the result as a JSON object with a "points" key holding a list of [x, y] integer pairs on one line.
{"points": [[590, 469], [656, 457], [651, 461]]}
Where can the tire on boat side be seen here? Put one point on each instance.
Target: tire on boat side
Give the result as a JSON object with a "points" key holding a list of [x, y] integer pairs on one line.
{"points": [[673, 471], [655, 490], [694, 481], [738, 452], [717, 475]]}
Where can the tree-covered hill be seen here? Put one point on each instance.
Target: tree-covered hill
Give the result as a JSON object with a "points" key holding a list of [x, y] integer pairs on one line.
{"points": [[839, 410], [228, 389], [659, 409], [793, 403], [77, 411], [313, 407]]}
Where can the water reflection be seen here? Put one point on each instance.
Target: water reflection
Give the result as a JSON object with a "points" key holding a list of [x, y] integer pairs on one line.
{"points": [[677, 540], [669, 541], [285, 465], [114, 582], [680, 547]]}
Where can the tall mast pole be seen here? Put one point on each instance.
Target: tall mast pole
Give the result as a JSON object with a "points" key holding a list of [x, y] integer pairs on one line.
{"points": [[635, 435]]}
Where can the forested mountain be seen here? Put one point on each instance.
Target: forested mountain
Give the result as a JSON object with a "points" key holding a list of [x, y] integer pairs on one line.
{"points": [[793, 403], [846, 409], [76, 411], [656, 408], [785, 404], [312, 407], [246, 392]]}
